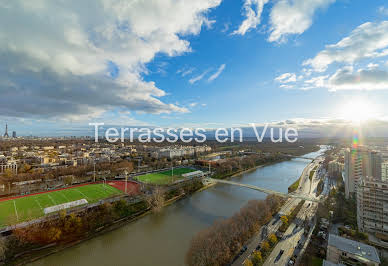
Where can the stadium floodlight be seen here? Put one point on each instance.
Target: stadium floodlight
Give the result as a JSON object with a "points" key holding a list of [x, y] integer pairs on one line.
{"points": [[126, 180], [94, 170]]}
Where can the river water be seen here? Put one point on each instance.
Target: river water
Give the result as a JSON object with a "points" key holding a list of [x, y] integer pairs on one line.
{"points": [[162, 239]]}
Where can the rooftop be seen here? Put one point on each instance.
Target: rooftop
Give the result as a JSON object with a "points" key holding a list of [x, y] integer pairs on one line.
{"points": [[361, 250]]}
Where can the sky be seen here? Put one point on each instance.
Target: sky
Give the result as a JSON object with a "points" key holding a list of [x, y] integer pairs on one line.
{"points": [[184, 63]]}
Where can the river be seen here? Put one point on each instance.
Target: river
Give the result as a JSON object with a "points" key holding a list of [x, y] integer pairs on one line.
{"points": [[162, 239]]}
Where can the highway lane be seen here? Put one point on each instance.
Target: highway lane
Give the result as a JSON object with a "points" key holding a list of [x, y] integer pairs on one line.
{"points": [[295, 232], [270, 228], [305, 187]]}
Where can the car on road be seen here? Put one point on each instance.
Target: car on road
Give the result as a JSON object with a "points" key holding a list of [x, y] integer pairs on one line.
{"points": [[244, 248], [279, 255]]}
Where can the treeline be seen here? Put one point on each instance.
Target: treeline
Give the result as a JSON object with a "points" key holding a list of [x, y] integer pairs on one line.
{"points": [[220, 243], [67, 228], [26, 172], [233, 165]]}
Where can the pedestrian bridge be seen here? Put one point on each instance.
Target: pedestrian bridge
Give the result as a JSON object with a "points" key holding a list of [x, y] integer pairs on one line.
{"points": [[266, 191], [301, 157]]}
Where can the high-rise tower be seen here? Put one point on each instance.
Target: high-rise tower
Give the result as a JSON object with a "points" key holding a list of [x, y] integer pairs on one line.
{"points": [[6, 131]]}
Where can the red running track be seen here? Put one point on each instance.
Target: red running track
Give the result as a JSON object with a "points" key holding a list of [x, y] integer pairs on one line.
{"points": [[132, 187]]}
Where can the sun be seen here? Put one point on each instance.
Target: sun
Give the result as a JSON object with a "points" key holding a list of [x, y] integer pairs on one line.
{"points": [[358, 111]]}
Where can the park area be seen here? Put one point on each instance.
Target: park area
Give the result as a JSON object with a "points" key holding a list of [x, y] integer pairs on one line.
{"points": [[19, 209], [165, 177]]}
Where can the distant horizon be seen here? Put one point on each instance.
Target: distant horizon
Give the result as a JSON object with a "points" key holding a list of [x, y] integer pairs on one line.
{"points": [[207, 63]]}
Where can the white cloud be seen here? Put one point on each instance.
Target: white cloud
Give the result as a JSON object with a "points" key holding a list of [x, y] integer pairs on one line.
{"points": [[226, 27], [364, 79], [55, 55], [293, 17], [372, 65], [369, 40], [285, 86], [199, 77], [286, 78], [193, 104], [252, 13], [383, 10], [217, 73], [317, 82], [185, 71]]}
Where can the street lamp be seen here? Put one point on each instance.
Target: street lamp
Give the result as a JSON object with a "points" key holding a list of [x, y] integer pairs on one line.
{"points": [[94, 170], [126, 180]]}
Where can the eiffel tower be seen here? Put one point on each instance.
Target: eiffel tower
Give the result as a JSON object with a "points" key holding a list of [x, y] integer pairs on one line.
{"points": [[6, 131]]}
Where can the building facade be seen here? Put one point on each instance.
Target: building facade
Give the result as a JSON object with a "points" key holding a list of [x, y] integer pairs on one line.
{"points": [[357, 164], [348, 252], [384, 171], [372, 206]]}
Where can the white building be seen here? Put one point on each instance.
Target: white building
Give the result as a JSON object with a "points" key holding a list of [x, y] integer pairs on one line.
{"points": [[357, 164], [349, 252], [384, 171], [372, 206]]}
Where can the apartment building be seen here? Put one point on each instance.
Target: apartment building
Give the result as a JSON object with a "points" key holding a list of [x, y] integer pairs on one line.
{"points": [[343, 251], [372, 206], [357, 164]]}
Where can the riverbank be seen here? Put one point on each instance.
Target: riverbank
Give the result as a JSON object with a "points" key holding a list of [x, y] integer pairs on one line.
{"points": [[177, 223], [42, 252], [45, 251], [36, 252]]}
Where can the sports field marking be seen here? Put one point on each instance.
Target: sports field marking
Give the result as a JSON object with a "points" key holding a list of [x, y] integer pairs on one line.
{"points": [[30, 207], [40, 206], [16, 211], [64, 196], [52, 199], [82, 194], [101, 192]]}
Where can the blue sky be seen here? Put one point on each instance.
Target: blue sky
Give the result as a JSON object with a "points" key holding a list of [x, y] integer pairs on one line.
{"points": [[185, 63]]}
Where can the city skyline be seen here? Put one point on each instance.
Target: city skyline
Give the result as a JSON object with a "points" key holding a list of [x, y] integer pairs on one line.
{"points": [[219, 63]]}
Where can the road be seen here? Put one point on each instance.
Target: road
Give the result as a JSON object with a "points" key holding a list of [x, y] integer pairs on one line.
{"points": [[270, 228], [295, 232], [305, 187]]}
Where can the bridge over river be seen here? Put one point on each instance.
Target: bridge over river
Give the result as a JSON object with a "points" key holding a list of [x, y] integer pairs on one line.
{"points": [[267, 191]]}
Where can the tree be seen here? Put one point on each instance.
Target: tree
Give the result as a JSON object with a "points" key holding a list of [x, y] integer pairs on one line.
{"points": [[3, 248], [265, 246], [156, 200], [284, 219], [248, 262], [221, 242], [25, 168], [273, 239], [257, 258], [8, 174]]}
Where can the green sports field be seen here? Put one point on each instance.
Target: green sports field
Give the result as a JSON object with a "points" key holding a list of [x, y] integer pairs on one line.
{"points": [[163, 178], [30, 207]]}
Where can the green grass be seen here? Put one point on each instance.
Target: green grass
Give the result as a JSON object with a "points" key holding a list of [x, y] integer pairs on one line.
{"points": [[31, 207], [163, 178], [312, 172], [316, 261], [294, 186]]}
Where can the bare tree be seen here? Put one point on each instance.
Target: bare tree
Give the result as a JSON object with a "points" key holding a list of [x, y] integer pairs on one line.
{"points": [[3, 248], [156, 200]]}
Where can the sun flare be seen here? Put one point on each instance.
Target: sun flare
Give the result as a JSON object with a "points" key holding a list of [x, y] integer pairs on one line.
{"points": [[358, 111]]}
